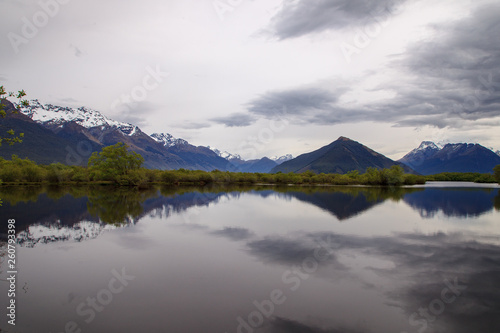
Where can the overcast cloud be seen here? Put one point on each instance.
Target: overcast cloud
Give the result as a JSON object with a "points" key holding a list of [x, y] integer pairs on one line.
{"points": [[302, 17], [447, 81], [387, 73]]}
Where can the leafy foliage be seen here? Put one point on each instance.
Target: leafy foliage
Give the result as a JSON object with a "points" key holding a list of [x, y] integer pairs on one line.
{"points": [[9, 136], [115, 163], [496, 171], [474, 177]]}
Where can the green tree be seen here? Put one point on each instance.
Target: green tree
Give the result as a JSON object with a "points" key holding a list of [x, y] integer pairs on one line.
{"points": [[9, 135], [496, 171], [393, 176], [113, 162]]}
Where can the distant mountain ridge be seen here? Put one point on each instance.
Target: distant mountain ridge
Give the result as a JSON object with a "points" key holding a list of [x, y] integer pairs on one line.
{"points": [[429, 159], [74, 133], [70, 135], [262, 165], [341, 156]]}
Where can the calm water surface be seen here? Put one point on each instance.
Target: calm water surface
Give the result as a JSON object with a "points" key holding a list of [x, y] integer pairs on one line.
{"points": [[255, 259]]}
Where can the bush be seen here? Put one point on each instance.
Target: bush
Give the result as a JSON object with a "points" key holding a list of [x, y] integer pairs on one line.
{"points": [[410, 179], [9, 173], [169, 177], [205, 178], [33, 174], [496, 171], [132, 178], [152, 176], [80, 175]]}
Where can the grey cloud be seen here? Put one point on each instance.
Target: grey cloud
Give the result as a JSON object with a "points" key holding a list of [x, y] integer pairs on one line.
{"points": [[291, 251], [298, 18], [294, 102], [447, 82], [234, 233], [312, 105], [424, 262], [133, 113], [280, 250], [193, 125], [285, 325], [457, 75], [235, 120]]}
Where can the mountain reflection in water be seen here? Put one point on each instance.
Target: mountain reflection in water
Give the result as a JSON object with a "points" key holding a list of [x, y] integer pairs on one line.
{"points": [[62, 207], [209, 252]]}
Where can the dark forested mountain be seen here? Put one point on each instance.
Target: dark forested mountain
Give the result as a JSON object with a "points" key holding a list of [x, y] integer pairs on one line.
{"points": [[340, 156], [428, 159]]}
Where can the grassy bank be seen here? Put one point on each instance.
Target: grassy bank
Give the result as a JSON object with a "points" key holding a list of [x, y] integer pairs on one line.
{"points": [[462, 177], [23, 171]]}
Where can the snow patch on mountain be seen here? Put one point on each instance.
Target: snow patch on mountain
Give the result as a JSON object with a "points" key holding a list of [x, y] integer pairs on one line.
{"points": [[226, 155], [282, 159], [425, 145], [54, 115], [168, 140]]}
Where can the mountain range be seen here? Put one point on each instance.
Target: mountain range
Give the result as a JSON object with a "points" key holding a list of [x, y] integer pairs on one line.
{"points": [[70, 135], [430, 159]]}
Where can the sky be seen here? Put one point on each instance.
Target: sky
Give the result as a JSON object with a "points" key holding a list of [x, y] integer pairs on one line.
{"points": [[266, 77]]}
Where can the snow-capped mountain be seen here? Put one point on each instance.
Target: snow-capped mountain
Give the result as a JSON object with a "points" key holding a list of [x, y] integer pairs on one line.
{"points": [[418, 155], [282, 159], [226, 155], [426, 145], [168, 140], [429, 158], [57, 116], [498, 152]]}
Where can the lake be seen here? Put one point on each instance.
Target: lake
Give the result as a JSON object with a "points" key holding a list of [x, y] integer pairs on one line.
{"points": [[254, 259]]}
